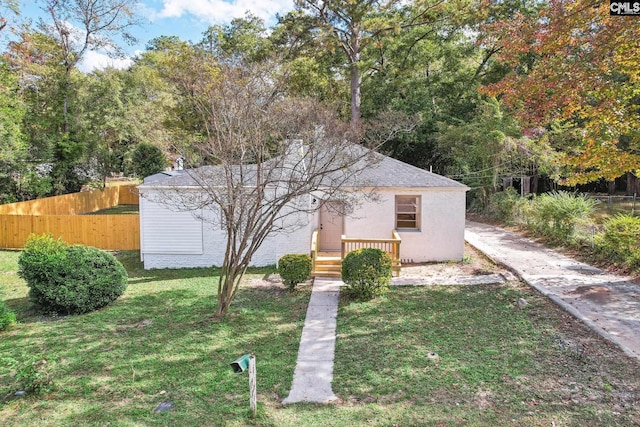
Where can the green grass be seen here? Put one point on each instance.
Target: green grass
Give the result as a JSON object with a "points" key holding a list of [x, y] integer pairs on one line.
{"points": [[494, 364], [468, 355], [156, 343], [118, 210], [604, 210]]}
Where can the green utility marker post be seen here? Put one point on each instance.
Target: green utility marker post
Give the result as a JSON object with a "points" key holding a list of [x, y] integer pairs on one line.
{"points": [[241, 364]]}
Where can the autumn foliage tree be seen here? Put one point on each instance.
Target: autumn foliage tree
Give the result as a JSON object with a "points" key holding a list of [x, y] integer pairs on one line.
{"points": [[576, 65]]}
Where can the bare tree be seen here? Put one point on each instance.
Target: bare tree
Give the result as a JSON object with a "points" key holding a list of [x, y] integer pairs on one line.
{"points": [[270, 157]]}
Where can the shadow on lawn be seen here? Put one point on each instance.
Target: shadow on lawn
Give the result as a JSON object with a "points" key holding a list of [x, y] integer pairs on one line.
{"points": [[118, 363], [137, 273]]}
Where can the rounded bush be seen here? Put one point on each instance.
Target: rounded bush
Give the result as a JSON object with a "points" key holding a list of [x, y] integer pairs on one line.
{"points": [[7, 317], [619, 241], [367, 273], [294, 268], [70, 279]]}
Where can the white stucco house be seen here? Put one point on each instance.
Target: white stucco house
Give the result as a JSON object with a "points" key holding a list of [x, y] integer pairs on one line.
{"points": [[420, 212]]}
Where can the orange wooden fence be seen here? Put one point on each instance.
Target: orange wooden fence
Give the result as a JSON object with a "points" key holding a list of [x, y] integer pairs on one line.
{"points": [[75, 203], [128, 195], [112, 232], [58, 217]]}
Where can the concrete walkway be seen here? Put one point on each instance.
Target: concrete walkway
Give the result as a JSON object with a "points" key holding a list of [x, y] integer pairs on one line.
{"points": [[607, 303], [314, 369], [313, 373]]}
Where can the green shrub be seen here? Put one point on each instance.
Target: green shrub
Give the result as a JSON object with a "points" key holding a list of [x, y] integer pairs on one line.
{"points": [[70, 279], [555, 215], [294, 268], [619, 242], [39, 262], [502, 204], [367, 273], [147, 159], [7, 317], [509, 207]]}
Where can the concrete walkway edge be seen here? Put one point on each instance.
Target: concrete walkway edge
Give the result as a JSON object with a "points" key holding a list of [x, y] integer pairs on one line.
{"points": [[475, 240], [313, 373]]}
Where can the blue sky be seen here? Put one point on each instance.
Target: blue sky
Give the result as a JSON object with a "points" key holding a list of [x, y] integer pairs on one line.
{"points": [[187, 19]]}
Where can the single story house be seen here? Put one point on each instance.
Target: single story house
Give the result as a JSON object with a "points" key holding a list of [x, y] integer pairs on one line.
{"points": [[418, 216]]}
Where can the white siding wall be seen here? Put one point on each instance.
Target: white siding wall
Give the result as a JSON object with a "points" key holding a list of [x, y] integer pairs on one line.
{"points": [[164, 243], [170, 239], [165, 230], [441, 236]]}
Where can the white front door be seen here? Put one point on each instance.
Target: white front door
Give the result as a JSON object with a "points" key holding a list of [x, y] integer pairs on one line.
{"points": [[331, 227]]}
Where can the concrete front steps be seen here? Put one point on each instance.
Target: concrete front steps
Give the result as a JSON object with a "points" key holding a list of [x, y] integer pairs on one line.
{"points": [[327, 266]]}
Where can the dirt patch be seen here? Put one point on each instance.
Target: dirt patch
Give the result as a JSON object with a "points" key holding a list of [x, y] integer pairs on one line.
{"points": [[272, 281], [599, 294], [138, 325], [474, 263]]}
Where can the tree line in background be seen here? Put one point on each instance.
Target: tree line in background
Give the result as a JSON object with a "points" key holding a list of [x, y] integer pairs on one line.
{"points": [[493, 89]]}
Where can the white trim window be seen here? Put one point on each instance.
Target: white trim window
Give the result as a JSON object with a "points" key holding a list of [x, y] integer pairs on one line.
{"points": [[408, 213]]}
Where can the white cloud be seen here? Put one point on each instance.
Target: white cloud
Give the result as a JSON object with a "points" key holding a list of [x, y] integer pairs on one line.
{"points": [[221, 11], [100, 61]]}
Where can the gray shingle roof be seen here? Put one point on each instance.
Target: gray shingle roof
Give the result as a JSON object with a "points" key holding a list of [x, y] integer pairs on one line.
{"points": [[385, 172], [389, 172]]}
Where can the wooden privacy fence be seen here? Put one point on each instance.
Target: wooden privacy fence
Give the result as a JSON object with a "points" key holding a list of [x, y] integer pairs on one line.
{"points": [[75, 203], [111, 232], [59, 217]]}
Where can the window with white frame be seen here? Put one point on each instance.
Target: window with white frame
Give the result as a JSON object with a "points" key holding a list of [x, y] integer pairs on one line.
{"points": [[408, 212]]}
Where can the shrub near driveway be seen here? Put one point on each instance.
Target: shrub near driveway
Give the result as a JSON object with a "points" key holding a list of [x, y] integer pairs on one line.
{"points": [[557, 213], [620, 240]]}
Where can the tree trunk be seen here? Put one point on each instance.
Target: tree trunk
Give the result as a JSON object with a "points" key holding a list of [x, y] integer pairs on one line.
{"points": [[611, 187], [355, 96], [354, 59], [633, 184], [227, 287], [536, 179]]}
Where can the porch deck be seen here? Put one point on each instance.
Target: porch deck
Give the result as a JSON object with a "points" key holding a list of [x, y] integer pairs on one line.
{"points": [[329, 263]]}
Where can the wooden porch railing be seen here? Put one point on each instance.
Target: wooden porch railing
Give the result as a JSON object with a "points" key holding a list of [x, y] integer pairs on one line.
{"points": [[315, 248], [391, 246], [332, 265]]}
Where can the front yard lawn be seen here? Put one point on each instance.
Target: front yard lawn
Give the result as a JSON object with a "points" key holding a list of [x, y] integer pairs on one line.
{"points": [[441, 356]]}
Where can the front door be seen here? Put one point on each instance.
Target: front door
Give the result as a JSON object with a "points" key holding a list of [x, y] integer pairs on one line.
{"points": [[331, 227]]}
